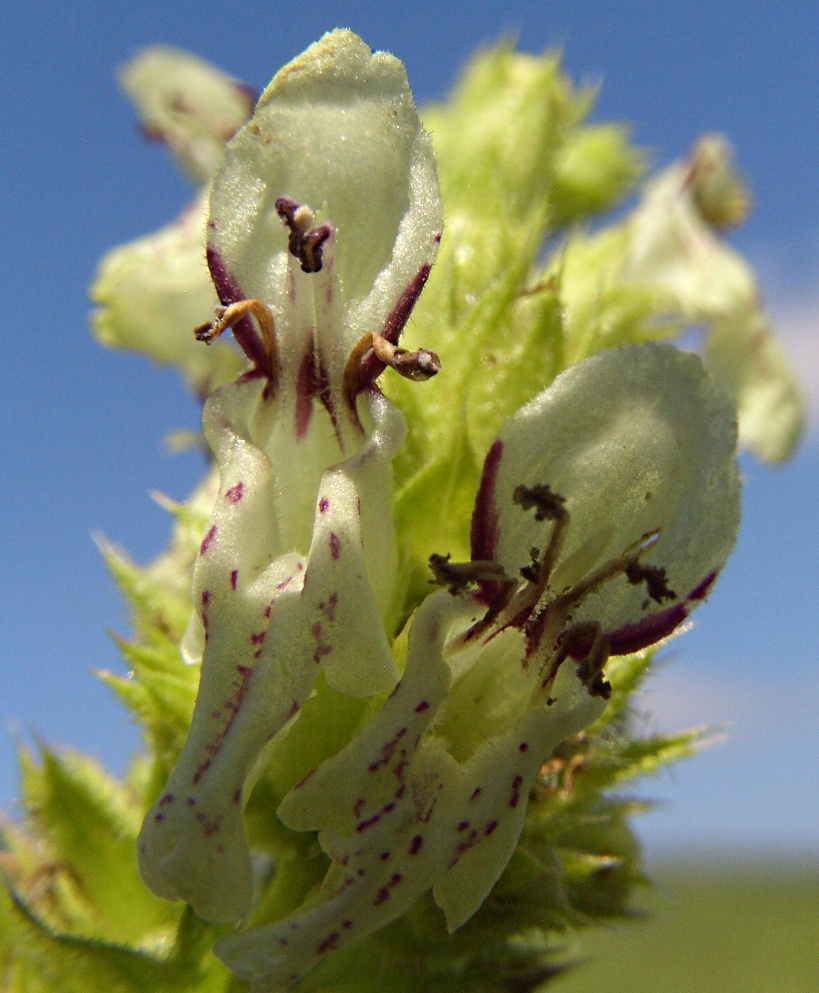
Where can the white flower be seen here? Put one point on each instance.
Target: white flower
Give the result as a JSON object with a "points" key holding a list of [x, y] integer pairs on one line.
{"points": [[323, 224], [606, 508]]}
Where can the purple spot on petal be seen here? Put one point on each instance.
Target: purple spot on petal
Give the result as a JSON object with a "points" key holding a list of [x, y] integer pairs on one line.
{"points": [[324, 503], [490, 827], [335, 545], [304, 393], [415, 845], [652, 628], [313, 382], [476, 793], [235, 493], [301, 782], [422, 706], [329, 944], [207, 540], [514, 796], [231, 706], [234, 575], [153, 135]]}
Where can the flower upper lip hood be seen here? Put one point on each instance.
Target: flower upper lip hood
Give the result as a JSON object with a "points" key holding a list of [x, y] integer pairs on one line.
{"points": [[336, 133], [324, 221]]}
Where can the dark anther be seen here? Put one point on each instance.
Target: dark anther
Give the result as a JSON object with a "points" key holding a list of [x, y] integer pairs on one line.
{"points": [[547, 505], [533, 571], [304, 242], [230, 316], [459, 576], [655, 579], [418, 366]]}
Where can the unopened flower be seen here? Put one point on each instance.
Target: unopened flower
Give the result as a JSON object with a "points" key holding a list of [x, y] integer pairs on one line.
{"points": [[673, 244], [150, 292]]}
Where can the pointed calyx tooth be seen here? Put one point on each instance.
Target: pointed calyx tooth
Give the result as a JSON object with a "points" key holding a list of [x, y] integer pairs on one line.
{"points": [[227, 317], [417, 366], [305, 241]]}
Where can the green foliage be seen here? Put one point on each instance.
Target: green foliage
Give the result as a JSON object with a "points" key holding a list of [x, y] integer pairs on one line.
{"points": [[50, 961]]}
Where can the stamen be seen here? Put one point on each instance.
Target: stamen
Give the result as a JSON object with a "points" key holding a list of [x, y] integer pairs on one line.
{"points": [[227, 317], [590, 670], [417, 366], [305, 242], [655, 579], [533, 572], [547, 504], [458, 576], [516, 605]]}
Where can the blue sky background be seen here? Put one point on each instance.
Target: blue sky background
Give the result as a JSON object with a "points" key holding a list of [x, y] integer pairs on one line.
{"points": [[81, 428]]}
